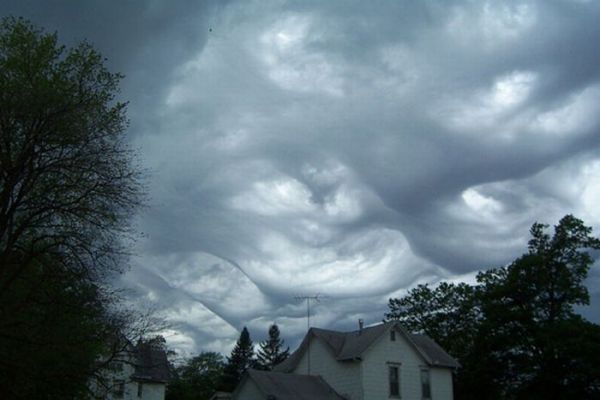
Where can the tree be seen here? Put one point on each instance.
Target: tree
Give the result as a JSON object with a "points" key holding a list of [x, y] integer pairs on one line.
{"points": [[67, 184], [198, 378], [68, 188], [49, 347], [270, 351], [528, 308], [241, 358], [448, 314], [516, 333]]}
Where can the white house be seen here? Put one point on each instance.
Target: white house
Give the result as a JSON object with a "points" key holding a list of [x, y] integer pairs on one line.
{"points": [[137, 373], [378, 362]]}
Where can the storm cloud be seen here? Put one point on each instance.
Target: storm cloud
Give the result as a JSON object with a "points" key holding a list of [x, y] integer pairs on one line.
{"points": [[350, 149]]}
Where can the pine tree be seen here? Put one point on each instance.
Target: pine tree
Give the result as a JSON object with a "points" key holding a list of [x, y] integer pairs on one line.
{"points": [[242, 358], [270, 353]]}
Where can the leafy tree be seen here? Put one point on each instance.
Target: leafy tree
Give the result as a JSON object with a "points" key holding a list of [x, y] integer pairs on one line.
{"points": [[49, 343], [449, 314], [198, 378], [241, 358], [67, 190], [528, 308], [516, 333], [270, 351], [67, 184]]}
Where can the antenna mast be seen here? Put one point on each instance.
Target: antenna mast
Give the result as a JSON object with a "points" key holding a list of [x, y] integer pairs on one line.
{"points": [[317, 298]]}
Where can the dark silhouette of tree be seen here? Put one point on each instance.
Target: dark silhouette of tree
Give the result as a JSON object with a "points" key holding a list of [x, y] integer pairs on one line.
{"points": [[528, 309], [270, 351], [516, 333], [68, 188], [198, 378], [67, 184], [241, 358], [449, 313]]}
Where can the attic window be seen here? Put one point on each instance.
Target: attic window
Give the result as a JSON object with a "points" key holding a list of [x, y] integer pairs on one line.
{"points": [[393, 335], [116, 366]]}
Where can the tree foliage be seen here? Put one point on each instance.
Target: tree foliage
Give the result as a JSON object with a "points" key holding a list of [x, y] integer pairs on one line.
{"points": [[198, 378], [241, 358], [67, 190], [516, 333], [446, 313], [270, 352], [67, 185]]}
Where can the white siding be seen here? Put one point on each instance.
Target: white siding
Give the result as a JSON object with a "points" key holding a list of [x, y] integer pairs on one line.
{"points": [[344, 377], [150, 391], [375, 371], [441, 384], [248, 391]]}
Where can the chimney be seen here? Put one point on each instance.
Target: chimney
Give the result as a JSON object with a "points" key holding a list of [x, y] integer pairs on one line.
{"points": [[361, 323]]}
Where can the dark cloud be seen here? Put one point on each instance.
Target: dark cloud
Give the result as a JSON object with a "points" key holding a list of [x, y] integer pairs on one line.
{"points": [[346, 148]]}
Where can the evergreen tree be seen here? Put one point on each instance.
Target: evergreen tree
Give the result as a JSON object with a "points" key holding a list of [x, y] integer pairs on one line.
{"points": [[270, 353], [242, 358]]}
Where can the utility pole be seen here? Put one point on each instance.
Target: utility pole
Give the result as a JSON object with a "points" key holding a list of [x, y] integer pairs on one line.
{"points": [[317, 298]]}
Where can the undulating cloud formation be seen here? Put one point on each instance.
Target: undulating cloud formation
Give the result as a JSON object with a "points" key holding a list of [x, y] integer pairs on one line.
{"points": [[348, 149]]}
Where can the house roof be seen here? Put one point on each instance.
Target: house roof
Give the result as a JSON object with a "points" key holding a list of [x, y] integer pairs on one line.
{"points": [[151, 364], [346, 346], [437, 356], [283, 386]]}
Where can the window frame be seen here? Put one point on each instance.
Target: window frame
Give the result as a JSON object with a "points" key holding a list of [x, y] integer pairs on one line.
{"points": [[394, 383], [425, 372], [118, 390]]}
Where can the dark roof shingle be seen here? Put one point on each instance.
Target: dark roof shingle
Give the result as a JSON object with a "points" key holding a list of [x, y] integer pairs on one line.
{"points": [[277, 385], [346, 346], [151, 364]]}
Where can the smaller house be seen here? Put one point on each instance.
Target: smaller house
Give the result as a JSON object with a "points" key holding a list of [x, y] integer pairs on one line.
{"points": [[277, 385], [139, 372]]}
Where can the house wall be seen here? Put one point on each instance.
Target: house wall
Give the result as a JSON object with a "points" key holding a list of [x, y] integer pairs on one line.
{"points": [[344, 377], [441, 384], [150, 391], [248, 391], [111, 377], [375, 373]]}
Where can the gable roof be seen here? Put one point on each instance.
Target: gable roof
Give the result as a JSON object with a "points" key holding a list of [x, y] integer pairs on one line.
{"points": [[437, 356], [346, 346], [282, 386], [151, 364]]}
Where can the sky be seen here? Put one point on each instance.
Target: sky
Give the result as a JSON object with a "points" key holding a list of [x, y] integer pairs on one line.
{"points": [[346, 149]]}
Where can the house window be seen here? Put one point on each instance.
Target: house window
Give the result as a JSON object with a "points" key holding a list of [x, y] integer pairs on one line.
{"points": [[425, 384], [393, 335], [118, 388], [140, 389], [394, 378]]}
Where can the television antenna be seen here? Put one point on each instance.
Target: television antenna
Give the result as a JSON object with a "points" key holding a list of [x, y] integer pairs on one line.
{"points": [[317, 299]]}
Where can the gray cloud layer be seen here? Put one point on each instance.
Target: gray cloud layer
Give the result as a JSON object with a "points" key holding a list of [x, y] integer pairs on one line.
{"points": [[347, 148]]}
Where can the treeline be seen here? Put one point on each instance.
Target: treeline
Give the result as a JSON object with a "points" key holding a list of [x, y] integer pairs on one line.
{"points": [[516, 332], [200, 376], [68, 189]]}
